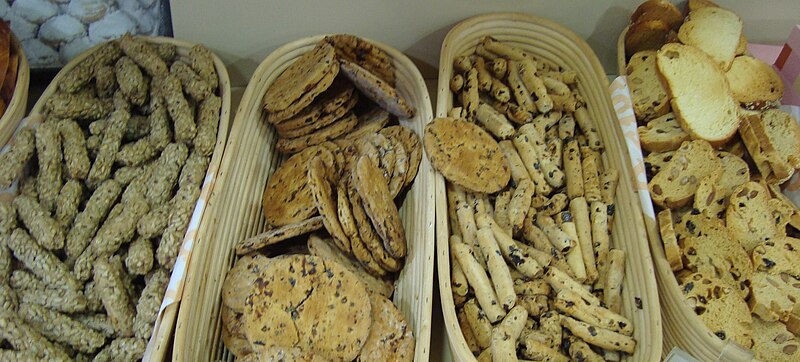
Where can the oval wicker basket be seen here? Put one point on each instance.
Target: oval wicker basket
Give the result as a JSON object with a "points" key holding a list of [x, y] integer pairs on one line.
{"points": [[682, 327], [552, 42], [160, 341], [16, 109], [250, 159]]}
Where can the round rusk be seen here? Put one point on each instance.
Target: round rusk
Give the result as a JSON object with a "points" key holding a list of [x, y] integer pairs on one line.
{"points": [[466, 155], [333, 98], [239, 279], [390, 337], [327, 133], [371, 242], [287, 199], [320, 181], [379, 206], [376, 89], [413, 147], [310, 303], [299, 77]]}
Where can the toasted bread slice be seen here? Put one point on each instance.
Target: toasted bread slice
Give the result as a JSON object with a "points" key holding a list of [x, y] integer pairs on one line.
{"points": [[784, 133], [754, 84], [658, 9], [700, 95], [715, 31], [677, 182], [645, 35], [773, 141], [649, 95], [662, 134]]}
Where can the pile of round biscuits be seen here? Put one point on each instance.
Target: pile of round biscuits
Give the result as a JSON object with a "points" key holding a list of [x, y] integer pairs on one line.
{"points": [[331, 109], [107, 183], [533, 271]]}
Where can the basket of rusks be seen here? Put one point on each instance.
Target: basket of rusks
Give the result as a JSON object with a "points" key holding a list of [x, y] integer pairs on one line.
{"points": [[108, 170], [718, 150], [316, 285]]}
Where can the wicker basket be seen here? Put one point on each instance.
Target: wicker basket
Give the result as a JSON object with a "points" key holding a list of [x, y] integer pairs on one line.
{"points": [[16, 109], [159, 343], [682, 327], [552, 42], [249, 161]]}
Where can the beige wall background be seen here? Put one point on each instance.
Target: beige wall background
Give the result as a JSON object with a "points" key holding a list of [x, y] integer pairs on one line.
{"points": [[244, 32]]}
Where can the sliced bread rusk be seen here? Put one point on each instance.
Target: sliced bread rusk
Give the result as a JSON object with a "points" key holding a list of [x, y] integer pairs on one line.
{"points": [[649, 95], [774, 296], [656, 161], [753, 216], [645, 35], [773, 140], [773, 342], [714, 190], [671, 248], [676, 184], [717, 252], [777, 256], [658, 9], [662, 134], [715, 31], [784, 133], [754, 84], [722, 310], [700, 95], [693, 5]]}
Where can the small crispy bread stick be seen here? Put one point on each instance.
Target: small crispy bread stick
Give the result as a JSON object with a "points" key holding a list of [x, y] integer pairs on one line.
{"points": [[481, 327], [591, 176], [527, 264], [469, 231], [456, 83], [499, 68], [48, 152], [531, 287], [462, 63], [573, 169], [588, 128], [566, 127], [521, 94], [615, 273], [530, 159], [554, 205], [466, 331], [560, 281], [580, 351], [479, 281], [599, 337], [458, 279], [506, 334], [600, 239], [115, 297], [504, 50], [500, 91], [494, 121], [555, 86], [575, 256], [469, 94], [498, 269], [501, 210], [537, 351], [580, 215], [560, 240], [598, 316], [484, 78], [520, 204], [518, 171], [608, 191], [535, 84]]}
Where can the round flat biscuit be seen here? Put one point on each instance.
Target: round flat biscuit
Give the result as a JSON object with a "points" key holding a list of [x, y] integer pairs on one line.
{"points": [[278, 234], [466, 155], [374, 247], [379, 206], [276, 298], [369, 122], [332, 131], [322, 121], [324, 248], [365, 54], [233, 321], [309, 96], [321, 185], [413, 147], [376, 89], [398, 179], [237, 283], [380, 151], [240, 347], [340, 91], [338, 155], [335, 319], [288, 354], [287, 199], [343, 208], [299, 77], [390, 337]]}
